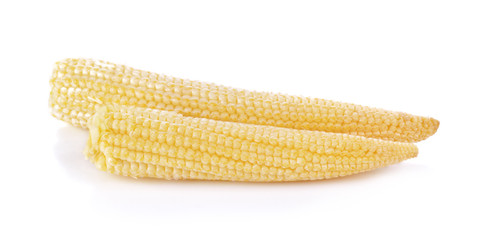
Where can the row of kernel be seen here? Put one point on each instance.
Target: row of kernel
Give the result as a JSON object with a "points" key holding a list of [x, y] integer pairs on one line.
{"points": [[344, 143]]}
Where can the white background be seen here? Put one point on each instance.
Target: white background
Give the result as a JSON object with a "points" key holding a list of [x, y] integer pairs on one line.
{"points": [[421, 57]]}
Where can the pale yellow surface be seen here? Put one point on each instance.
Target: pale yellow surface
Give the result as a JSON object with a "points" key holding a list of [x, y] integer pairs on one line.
{"points": [[140, 142], [79, 85]]}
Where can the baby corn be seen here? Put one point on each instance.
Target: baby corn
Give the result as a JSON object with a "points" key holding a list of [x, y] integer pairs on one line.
{"points": [[79, 85], [142, 142]]}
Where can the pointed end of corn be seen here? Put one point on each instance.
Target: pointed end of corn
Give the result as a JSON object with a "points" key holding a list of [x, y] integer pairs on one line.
{"points": [[435, 125], [415, 151], [431, 129]]}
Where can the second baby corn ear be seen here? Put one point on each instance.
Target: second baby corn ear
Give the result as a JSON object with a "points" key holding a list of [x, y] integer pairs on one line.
{"points": [[79, 85]]}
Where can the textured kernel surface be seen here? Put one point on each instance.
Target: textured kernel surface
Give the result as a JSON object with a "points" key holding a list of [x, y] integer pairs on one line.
{"points": [[141, 142], [79, 85]]}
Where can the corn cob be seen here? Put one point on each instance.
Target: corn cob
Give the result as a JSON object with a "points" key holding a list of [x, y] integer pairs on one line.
{"points": [[141, 142], [79, 85]]}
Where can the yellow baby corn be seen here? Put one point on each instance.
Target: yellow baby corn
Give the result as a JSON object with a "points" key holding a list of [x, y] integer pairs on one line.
{"points": [[142, 142], [79, 85]]}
